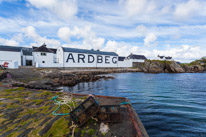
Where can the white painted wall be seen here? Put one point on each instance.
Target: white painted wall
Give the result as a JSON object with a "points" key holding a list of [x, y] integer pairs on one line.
{"points": [[125, 64], [59, 55], [72, 59], [10, 56], [137, 60], [11, 65], [38, 58]]}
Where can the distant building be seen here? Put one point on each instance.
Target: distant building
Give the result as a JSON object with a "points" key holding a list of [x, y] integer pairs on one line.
{"points": [[15, 56], [43, 56], [124, 62], [71, 57], [27, 58], [64, 57], [136, 58], [164, 58], [120, 58], [168, 58], [161, 57]]}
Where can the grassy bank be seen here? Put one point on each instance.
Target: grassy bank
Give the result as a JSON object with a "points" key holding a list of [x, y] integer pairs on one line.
{"points": [[29, 112]]}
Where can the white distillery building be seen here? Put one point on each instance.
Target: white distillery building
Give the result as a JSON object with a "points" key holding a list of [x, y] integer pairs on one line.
{"points": [[63, 57], [70, 57], [15, 56]]}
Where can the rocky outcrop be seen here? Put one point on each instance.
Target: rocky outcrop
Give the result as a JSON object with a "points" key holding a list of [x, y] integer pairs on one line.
{"points": [[173, 67], [156, 66], [193, 68], [153, 67]]}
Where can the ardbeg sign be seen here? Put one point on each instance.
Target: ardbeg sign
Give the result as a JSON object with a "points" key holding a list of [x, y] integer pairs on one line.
{"points": [[82, 58]]}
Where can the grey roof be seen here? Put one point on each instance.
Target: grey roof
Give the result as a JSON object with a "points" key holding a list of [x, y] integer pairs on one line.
{"points": [[89, 51], [27, 51], [10, 48], [42, 48], [168, 57], [54, 50], [121, 58], [133, 56]]}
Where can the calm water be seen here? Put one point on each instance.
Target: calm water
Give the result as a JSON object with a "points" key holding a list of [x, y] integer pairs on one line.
{"points": [[168, 104]]}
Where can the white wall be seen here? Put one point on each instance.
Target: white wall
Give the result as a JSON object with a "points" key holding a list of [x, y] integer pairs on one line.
{"points": [[89, 60], [10, 56], [59, 55], [11, 65], [137, 60], [125, 64], [38, 58]]}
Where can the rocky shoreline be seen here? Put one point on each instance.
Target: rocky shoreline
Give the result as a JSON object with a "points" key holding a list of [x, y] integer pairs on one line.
{"points": [[156, 66], [52, 79]]}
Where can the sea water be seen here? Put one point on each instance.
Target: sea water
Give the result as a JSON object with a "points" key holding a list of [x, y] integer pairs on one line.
{"points": [[167, 104]]}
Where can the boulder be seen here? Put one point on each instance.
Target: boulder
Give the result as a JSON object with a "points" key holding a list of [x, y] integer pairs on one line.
{"points": [[173, 67]]}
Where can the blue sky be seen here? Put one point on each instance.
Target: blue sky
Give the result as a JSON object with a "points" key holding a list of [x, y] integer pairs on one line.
{"points": [[174, 28]]}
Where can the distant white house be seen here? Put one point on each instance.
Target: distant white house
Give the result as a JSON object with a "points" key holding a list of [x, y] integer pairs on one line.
{"points": [[130, 60], [43, 56], [136, 58], [168, 58]]}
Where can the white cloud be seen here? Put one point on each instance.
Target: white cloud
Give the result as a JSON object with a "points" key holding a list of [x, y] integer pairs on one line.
{"points": [[111, 46], [188, 9], [183, 53], [31, 33], [141, 29], [18, 37], [9, 42], [64, 34], [124, 49], [90, 40], [64, 9], [150, 39], [135, 6]]}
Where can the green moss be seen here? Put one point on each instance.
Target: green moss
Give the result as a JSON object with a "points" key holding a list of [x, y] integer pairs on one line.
{"points": [[1, 103], [59, 128], [83, 132], [44, 93], [161, 61], [11, 105], [44, 109], [14, 89], [38, 101], [91, 132], [76, 130], [21, 100]]}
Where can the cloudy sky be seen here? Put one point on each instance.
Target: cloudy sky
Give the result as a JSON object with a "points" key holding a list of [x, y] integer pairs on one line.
{"points": [[174, 28]]}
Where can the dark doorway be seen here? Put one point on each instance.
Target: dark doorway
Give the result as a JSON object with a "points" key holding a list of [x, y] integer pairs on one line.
{"points": [[28, 62]]}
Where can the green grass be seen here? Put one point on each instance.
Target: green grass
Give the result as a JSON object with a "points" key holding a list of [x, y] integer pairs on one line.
{"points": [[14, 89], [60, 128], [161, 61], [91, 132], [38, 101]]}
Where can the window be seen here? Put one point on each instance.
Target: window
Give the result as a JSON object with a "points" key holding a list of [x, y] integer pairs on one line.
{"points": [[43, 54], [43, 61]]}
